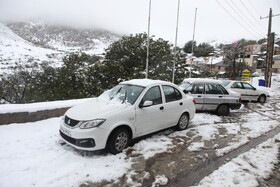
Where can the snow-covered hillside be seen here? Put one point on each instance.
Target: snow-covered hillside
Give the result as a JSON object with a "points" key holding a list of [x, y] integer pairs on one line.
{"points": [[26, 44], [15, 52], [64, 38]]}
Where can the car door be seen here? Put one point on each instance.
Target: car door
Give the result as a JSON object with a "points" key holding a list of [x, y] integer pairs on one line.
{"points": [[238, 87], [173, 106], [197, 91], [213, 96], [250, 91], [150, 118]]}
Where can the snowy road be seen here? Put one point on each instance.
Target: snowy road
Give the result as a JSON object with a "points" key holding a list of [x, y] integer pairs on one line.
{"points": [[31, 155]]}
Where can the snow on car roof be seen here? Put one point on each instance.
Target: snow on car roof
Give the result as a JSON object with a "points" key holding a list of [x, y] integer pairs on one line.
{"points": [[144, 82], [191, 80]]}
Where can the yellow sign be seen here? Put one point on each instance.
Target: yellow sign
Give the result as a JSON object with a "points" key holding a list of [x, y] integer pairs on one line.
{"points": [[246, 74]]}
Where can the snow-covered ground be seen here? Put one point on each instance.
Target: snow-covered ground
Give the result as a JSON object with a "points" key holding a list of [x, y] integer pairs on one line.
{"points": [[31, 153], [246, 168]]}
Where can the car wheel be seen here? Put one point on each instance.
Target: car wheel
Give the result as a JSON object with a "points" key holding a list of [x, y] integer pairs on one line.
{"points": [[262, 99], [223, 110], [118, 141], [183, 122]]}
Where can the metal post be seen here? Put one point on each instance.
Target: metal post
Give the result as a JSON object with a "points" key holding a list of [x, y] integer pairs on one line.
{"points": [[211, 65], [148, 40], [193, 42], [175, 47]]}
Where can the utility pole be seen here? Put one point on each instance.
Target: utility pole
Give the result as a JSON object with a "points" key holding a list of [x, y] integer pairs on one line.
{"points": [[148, 40], [269, 50], [193, 42], [175, 47]]}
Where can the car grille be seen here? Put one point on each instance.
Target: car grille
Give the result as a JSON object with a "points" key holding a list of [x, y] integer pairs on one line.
{"points": [[70, 122]]}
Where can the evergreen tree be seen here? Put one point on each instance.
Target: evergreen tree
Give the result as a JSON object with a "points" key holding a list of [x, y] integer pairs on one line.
{"points": [[188, 46], [203, 50], [126, 59]]}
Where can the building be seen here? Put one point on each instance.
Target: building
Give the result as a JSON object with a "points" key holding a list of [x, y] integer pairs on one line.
{"points": [[276, 64], [252, 49], [217, 64]]}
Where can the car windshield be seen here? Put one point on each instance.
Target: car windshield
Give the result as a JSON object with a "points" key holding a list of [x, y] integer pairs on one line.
{"points": [[184, 85], [225, 83], [124, 93]]}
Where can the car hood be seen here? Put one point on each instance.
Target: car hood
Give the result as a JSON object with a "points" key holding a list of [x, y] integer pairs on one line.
{"points": [[96, 108]]}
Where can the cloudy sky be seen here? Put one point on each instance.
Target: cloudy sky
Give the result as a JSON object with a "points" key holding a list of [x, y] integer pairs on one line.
{"points": [[222, 20]]}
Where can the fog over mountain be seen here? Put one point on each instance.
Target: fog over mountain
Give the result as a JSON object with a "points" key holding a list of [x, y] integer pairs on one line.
{"points": [[131, 16]]}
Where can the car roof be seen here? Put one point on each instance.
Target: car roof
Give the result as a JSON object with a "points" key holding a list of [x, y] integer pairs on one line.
{"points": [[146, 82], [192, 80]]}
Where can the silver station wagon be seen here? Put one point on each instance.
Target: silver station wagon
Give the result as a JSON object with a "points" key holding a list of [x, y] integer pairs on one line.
{"points": [[211, 95]]}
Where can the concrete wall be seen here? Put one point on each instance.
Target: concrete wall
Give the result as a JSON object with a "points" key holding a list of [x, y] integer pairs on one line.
{"points": [[23, 117]]}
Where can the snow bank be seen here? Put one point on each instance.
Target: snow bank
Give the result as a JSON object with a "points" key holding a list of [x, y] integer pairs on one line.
{"points": [[34, 107]]}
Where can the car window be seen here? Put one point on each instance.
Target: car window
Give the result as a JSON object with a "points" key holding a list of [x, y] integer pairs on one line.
{"points": [[196, 88], [248, 86], [184, 85], [125, 93], [223, 90], [153, 94], [171, 93], [237, 85], [213, 89]]}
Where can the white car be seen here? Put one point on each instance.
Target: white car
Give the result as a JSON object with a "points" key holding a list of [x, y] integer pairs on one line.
{"points": [[131, 109], [247, 91], [210, 95]]}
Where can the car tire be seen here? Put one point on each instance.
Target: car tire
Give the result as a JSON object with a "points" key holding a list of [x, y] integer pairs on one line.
{"points": [[183, 122], [262, 99], [223, 110], [118, 141]]}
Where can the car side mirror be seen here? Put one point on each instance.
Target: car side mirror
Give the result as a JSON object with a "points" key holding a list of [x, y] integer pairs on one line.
{"points": [[255, 88], [185, 91], [146, 104]]}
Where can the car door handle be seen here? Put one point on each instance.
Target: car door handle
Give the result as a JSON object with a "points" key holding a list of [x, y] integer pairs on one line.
{"points": [[161, 108], [181, 103], [199, 96], [220, 96]]}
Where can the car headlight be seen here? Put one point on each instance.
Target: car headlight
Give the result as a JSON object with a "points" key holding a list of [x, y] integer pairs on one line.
{"points": [[92, 123]]}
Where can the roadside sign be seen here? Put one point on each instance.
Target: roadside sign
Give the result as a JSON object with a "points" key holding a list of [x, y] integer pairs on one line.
{"points": [[246, 75]]}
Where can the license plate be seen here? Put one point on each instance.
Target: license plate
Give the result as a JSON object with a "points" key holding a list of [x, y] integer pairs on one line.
{"points": [[65, 131]]}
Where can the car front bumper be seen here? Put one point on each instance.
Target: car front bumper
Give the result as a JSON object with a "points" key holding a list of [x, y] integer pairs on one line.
{"points": [[84, 139]]}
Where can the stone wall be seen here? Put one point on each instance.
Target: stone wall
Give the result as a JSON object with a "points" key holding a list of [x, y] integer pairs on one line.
{"points": [[23, 117]]}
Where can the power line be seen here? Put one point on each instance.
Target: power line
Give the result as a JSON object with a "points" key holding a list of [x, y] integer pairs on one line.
{"points": [[249, 11], [252, 5], [244, 17], [237, 20], [251, 14], [269, 4]]}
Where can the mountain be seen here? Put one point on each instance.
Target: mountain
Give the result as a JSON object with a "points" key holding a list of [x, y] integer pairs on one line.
{"points": [[16, 53], [27, 44], [63, 38]]}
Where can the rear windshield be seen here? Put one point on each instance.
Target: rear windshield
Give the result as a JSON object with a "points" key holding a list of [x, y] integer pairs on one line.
{"points": [[225, 83], [184, 85]]}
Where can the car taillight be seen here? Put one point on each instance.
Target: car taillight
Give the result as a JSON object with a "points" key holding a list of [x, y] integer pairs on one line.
{"points": [[194, 102]]}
